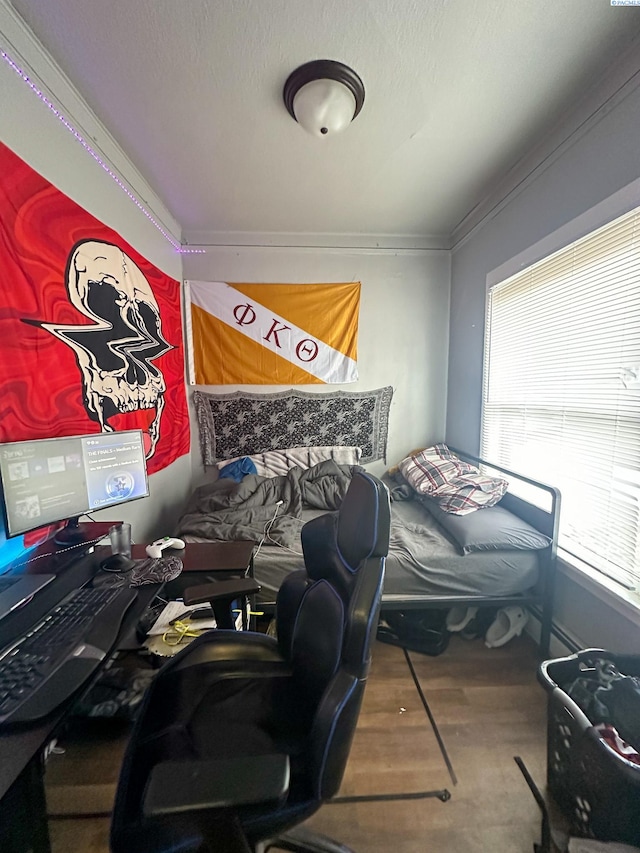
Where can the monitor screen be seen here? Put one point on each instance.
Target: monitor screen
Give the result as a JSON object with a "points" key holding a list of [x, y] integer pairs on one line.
{"points": [[55, 479]]}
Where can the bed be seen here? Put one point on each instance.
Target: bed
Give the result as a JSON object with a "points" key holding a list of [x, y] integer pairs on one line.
{"points": [[496, 556]]}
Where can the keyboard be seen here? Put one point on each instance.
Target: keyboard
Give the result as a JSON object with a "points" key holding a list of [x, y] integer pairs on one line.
{"points": [[55, 658]]}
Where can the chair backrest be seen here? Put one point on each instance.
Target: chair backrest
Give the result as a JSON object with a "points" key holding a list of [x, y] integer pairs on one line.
{"points": [[326, 620]]}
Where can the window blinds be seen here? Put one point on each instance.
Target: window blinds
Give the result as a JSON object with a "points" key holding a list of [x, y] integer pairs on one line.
{"points": [[561, 390]]}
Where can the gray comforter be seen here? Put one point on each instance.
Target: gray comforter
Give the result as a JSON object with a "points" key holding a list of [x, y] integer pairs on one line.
{"points": [[226, 510]]}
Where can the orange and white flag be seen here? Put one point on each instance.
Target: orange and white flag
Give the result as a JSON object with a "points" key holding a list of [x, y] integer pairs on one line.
{"points": [[272, 334]]}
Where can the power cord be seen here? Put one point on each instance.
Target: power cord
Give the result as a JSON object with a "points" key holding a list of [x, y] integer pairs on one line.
{"points": [[268, 527], [279, 544]]}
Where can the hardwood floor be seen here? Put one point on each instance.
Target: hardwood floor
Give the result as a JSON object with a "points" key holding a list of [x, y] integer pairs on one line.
{"points": [[488, 708]]}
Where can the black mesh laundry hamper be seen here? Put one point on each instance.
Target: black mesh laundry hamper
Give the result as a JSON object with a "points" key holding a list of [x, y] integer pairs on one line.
{"points": [[597, 788]]}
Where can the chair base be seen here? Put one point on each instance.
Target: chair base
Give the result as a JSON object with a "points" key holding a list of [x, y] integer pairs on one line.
{"points": [[303, 840]]}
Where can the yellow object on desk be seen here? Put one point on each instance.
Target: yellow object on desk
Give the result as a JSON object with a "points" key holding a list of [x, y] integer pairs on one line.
{"points": [[178, 631], [172, 641], [173, 630]]}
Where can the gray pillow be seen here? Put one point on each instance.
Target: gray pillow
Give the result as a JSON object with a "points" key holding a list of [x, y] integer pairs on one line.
{"points": [[488, 529]]}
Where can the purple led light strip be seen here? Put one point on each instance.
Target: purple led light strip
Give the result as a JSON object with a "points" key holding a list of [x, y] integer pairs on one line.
{"points": [[79, 138]]}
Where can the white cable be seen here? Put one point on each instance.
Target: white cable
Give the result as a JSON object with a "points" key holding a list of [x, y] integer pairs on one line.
{"points": [[268, 527], [279, 544]]}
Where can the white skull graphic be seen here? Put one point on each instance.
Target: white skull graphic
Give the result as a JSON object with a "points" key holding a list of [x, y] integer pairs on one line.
{"points": [[116, 352]]}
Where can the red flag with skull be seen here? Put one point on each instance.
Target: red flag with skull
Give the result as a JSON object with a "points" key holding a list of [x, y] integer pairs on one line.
{"points": [[90, 331]]}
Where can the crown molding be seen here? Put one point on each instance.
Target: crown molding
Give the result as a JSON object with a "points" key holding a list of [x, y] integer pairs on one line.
{"points": [[303, 240], [23, 48], [622, 80]]}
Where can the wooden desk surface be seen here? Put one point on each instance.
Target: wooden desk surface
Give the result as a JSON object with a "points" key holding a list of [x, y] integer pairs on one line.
{"points": [[207, 556]]}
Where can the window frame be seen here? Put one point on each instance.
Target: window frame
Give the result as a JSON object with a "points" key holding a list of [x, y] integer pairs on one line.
{"points": [[616, 205]]}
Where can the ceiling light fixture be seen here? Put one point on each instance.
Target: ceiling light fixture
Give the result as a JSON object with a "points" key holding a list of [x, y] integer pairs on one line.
{"points": [[323, 96]]}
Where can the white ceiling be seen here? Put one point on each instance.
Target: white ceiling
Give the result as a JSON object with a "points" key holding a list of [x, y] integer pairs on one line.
{"points": [[457, 92]]}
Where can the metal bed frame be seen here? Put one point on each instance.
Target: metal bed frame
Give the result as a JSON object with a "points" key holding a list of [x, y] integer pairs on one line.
{"points": [[539, 600]]}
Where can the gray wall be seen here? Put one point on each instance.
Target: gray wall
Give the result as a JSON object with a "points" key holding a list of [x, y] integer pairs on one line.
{"points": [[403, 330], [596, 165]]}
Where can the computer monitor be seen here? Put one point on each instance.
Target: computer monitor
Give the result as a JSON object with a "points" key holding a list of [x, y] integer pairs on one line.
{"points": [[49, 480]]}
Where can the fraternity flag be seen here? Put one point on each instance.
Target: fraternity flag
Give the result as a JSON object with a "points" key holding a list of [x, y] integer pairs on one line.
{"points": [[272, 334], [90, 331]]}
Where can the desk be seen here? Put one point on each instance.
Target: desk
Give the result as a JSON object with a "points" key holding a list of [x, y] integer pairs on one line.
{"points": [[204, 562], [23, 818], [23, 821]]}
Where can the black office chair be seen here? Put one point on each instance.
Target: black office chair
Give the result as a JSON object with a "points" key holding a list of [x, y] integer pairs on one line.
{"points": [[243, 736]]}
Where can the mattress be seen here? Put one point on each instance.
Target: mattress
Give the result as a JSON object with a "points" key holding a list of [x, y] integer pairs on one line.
{"points": [[422, 561]]}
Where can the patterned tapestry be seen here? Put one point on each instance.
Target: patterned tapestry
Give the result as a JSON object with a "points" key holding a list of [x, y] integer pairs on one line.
{"points": [[90, 331], [272, 334], [241, 424]]}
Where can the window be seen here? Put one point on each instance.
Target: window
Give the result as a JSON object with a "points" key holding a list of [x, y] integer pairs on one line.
{"points": [[561, 391]]}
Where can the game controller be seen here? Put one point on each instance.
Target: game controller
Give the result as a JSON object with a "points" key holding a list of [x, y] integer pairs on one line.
{"points": [[156, 548]]}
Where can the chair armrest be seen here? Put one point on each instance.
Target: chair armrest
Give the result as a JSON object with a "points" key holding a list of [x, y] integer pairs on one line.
{"points": [[244, 653], [220, 590], [180, 786]]}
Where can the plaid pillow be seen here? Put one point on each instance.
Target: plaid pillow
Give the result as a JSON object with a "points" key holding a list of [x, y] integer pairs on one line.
{"points": [[458, 487]]}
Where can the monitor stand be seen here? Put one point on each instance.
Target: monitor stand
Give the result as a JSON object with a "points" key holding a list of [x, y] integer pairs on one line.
{"points": [[71, 533], [74, 533]]}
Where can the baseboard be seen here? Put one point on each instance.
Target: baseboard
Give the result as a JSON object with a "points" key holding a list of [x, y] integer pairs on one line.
{"points": [[562, 642]]}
